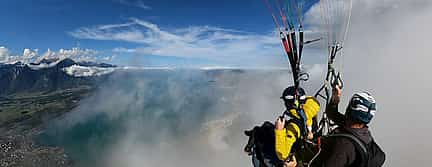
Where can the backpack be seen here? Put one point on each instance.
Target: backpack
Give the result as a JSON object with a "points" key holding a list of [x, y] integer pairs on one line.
{"points": [[261, 146], [371, 154]]}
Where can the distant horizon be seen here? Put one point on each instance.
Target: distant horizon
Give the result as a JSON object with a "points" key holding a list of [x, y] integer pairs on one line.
{"points": [[174, 67]]}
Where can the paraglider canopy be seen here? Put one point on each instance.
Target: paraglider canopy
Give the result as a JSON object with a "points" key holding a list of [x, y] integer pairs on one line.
{"points": [[336, 16], [288, 16]]}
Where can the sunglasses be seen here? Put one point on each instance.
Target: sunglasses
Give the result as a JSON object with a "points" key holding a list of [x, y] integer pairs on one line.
{"points": [[292, 98]]}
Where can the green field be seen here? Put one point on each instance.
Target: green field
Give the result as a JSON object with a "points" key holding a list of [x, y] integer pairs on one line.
{"points": [[33, 108]]}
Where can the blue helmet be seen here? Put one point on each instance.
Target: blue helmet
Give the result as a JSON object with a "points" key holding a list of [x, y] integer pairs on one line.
{"points": [[361, 108]]}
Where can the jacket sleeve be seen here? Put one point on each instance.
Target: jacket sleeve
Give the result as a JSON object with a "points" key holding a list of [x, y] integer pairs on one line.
{"points": [[342, 154], [311, 109], [334, 115], [285, 139]]}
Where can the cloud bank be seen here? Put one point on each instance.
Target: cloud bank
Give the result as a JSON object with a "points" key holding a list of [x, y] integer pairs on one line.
{"points": [[387, 53], [173, 118]]}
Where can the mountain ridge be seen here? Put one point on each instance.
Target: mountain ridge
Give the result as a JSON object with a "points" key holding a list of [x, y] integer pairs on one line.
{"points": [[45, 76]]}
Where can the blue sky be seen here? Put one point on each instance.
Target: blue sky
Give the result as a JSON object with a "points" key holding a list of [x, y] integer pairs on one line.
{"points": [[164, 32]]}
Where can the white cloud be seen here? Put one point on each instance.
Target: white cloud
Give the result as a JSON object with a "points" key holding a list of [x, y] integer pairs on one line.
{"points": [[135, 3], [106, 33], [110, 26], [81, 71], [108, 58], [32, 56], [123, 50], [76, 54], [29, 55], [4, 54], [207, 42]]}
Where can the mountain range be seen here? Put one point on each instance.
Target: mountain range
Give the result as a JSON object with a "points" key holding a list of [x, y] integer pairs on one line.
{"points": [[50, 75]]}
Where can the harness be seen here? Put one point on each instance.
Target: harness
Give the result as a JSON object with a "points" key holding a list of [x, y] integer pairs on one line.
{"points": [[360, 146], [303, 149]]}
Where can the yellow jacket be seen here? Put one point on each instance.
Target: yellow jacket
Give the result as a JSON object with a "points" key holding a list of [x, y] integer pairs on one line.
{"points": [[286, 137]]}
